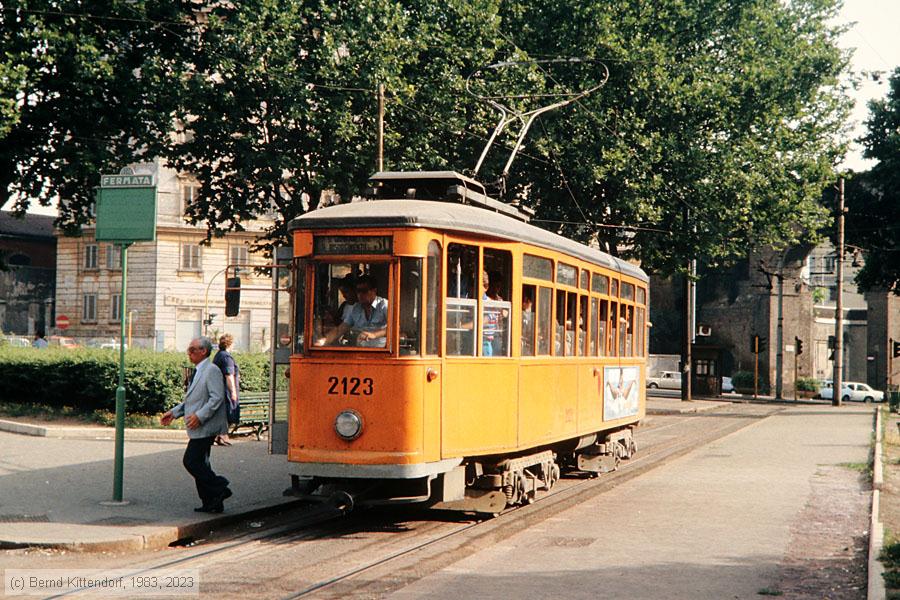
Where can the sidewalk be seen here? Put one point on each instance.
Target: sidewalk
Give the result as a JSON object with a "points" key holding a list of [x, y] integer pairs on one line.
{"points": [[772, 509], [51, 490]]}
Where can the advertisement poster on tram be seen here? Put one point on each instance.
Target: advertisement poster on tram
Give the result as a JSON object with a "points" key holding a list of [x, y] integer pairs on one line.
{"points": [[620, 392]]}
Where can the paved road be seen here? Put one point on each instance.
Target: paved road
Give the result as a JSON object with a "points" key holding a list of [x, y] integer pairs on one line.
{"points": [[715, 524]]}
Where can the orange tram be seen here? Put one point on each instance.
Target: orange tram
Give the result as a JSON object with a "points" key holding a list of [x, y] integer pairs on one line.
{"points": [[449, 353]]}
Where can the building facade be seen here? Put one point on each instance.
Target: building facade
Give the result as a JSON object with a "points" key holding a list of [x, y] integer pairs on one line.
{"points": [[796, 287], [27, 273], [175, 285]]}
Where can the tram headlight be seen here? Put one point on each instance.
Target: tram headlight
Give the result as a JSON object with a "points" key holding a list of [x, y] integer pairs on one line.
{"points": [[348, 425]]}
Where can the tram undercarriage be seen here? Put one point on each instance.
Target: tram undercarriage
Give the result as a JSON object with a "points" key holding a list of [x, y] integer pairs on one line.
{"points": [[479, 484]]}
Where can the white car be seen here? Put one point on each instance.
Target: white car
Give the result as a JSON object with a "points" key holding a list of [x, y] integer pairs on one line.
{"points": [[852, 391], [667, 380]]}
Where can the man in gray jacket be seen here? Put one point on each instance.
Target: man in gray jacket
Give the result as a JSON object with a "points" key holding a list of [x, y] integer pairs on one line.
{"points": [[204, 415]]}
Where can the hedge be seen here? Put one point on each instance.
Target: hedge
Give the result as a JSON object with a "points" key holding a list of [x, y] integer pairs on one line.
{"points": [[86, 379]]}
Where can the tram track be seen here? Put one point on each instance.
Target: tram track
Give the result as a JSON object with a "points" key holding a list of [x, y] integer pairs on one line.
{"points": [[428, 557], [345, 556]]}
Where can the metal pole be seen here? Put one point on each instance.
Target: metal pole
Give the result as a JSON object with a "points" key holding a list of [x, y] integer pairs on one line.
{"points": [[796, 360], [688, 335], [839, 308], [379, 160], [779, 333], [120, 391], [755, 367]]}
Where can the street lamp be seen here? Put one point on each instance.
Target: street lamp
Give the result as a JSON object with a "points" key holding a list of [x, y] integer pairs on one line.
{"points": [[207, 321]]}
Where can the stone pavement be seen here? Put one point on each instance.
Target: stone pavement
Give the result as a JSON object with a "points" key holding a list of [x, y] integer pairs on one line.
{"points": [[716, 523], [51, 491]]}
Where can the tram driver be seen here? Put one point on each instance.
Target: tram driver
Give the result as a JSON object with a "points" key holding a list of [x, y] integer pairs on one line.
{"points": [[366, 322]]}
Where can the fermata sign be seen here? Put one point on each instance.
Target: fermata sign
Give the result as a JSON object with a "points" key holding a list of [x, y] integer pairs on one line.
{"points": [[126, 209]]}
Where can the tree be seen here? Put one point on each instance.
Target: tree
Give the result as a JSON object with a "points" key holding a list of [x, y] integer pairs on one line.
{"points": [[873, 197], [281, 103], [78, 95], [727, 111]]}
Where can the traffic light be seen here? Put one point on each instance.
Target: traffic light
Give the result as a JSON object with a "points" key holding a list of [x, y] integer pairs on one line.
{"points": [[232, 296], [757, 344], [896, 350], [799, 343]]}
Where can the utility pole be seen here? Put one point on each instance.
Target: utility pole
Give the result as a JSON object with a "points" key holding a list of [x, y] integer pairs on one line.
{"points": [[839, 302], [379, 159], [779, 333], [688, 334]]}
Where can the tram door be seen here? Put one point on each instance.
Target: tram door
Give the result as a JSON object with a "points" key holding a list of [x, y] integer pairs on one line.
{"points": [[282, 342]]}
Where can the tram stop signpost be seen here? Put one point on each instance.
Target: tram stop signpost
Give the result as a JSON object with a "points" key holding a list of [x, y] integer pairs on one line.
{"points": [[125, 213]]}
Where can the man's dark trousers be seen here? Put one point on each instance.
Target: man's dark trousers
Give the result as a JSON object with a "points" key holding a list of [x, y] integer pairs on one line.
{"points": [[210, 486]]}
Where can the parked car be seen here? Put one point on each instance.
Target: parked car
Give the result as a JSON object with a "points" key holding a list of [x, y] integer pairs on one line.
{"points": [[16, 341], [62, 341], [727, 385], [852, 391], [667, 380]]}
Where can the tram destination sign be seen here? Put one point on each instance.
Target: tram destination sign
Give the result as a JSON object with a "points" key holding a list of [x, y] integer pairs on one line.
{"points": [[354, 244], [126, 208]]}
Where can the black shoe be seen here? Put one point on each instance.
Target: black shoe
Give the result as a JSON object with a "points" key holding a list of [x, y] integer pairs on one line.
{"points": [[226, 494], [215, 508]]}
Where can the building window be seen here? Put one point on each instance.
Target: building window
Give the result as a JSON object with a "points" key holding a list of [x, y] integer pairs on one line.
{"points": [[238, 255], [115, 307], [113, 257], [189, 193], [19, 260], [90, 256], [89, 308], [190, 257]]}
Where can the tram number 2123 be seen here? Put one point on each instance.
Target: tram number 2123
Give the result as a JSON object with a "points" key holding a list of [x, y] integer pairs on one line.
{"points": [[350, 386]]}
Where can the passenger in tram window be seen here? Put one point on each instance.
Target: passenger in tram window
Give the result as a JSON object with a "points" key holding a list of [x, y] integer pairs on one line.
{"points": [[366, 321], [493, 338], [527, 323], [347, 289]]}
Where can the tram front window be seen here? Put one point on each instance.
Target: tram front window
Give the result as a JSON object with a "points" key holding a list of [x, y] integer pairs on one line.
{"points": [[345, 318]]}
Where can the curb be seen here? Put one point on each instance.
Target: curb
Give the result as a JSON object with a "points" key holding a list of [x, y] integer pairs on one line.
{"points": [[154, 538], [90, 433], [705, 407], [875, 588]]}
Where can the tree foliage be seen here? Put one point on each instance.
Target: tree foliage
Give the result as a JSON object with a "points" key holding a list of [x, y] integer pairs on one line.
{"points": [[78, 95], [873, 197], [729, 109]]}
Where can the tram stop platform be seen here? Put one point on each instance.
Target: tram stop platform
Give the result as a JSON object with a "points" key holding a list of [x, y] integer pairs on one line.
{"points": [[56, 484]]}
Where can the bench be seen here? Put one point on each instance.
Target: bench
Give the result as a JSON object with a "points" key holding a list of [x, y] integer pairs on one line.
{"points": [[254, 413]]}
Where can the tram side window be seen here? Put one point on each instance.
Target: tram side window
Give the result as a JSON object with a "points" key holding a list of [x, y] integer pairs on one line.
{"points": [[613, 327], [495, 302], [629, 330], [433, 300], [351, 319], [639, 332], [582, 327], [462, 303], [595, 325], [623, 328], [602, 342], [560, 333], [544, 320], [410, 305], [528, 294]]}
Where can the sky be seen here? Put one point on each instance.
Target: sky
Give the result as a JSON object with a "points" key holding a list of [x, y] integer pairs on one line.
{"points": [[875, 39]]}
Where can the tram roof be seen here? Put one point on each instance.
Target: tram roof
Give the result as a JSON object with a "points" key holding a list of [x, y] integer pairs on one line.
{"points": [[453, 217]]}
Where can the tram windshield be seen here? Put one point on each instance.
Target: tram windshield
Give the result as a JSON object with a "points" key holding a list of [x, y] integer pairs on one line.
{"points": [[350, 305]]}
